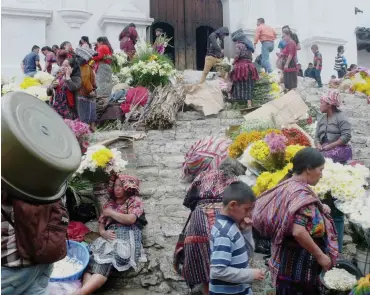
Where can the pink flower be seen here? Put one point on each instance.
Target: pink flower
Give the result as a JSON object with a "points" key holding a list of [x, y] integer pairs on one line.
{"points": [[276, 142]]}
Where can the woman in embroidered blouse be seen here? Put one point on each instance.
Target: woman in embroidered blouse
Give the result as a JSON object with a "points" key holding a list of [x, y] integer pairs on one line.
{"points": [[64, 89], [289, 56], [65, 51], [120, 244], [50, 60], [103, 68], [128, 39], [303, 233], [204, 198], [244, 73]]}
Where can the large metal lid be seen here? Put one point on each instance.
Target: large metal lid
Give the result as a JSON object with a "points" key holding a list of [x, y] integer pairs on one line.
{"points": [[38, 150]]}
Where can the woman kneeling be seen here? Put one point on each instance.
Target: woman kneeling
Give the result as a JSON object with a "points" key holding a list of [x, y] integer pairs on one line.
{"points": [[120, 244]]}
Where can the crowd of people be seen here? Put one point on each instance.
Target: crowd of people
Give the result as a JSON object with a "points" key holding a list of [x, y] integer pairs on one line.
{"points": [[83, 76], [244, 74]]}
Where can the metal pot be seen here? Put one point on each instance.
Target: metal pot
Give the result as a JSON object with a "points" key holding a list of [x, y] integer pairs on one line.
{"points": [[39, 151]]}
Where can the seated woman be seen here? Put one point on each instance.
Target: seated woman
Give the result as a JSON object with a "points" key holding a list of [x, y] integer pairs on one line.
{"points": [[120, 244], [244, 74], [204, 198], [303, 234], [333, 131]]}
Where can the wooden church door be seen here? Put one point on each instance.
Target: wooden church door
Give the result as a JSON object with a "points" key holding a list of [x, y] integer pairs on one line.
{"points": [[191, 21]]}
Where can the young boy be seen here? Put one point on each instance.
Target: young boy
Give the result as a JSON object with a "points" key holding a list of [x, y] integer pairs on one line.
{"points": [[232, 243], [317, 64]]}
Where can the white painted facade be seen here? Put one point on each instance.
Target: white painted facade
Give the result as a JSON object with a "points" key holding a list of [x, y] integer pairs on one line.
{"points": [[328, 23]]}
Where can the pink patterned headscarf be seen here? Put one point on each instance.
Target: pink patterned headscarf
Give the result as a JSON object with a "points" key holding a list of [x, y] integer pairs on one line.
{"points": [[332, 98]]}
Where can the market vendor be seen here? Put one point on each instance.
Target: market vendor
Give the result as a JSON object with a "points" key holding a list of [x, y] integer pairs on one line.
{"points": [[333, 130], [244, 73], [120, 244], [333, 134]]}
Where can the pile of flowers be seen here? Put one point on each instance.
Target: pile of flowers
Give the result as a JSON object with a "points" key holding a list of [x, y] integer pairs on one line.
{"points": [[28, 82], [296, 136], [119, 61], [82, 131], [343, 182], [243, 140], [44, 78], [225, 66], [339, 279], [100, 162], [357, 210], [361, 82], [257, 125], [151, 71]]}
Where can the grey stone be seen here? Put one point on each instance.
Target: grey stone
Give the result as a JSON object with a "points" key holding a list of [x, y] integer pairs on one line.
{"points": [[170, 226], [150, 280], [347, 239], [163, 288], [167, 270]]}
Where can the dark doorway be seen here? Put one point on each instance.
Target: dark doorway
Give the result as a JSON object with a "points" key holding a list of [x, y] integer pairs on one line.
{"points": [[170, 32], [202, 35]]}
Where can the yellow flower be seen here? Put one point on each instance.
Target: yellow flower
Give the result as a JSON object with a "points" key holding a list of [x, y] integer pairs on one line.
{"points": [[291, 150], [102, 157], [28, 82], [260, 151], [153, 57]]}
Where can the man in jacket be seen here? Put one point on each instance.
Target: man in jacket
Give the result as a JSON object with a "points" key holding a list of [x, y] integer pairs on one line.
{"points": [[215, 51], [266, 35]]}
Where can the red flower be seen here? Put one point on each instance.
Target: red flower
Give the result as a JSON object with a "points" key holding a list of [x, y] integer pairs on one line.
{"points": [[295, 136], [309, 121]]}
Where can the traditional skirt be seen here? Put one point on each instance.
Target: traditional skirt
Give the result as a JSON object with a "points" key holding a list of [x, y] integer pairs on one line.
{"points": [[290, 80], [299, 271], [197, 247], [60, 105], [122, 253], [104, 81], [243, 77], [339, 154], [86, 108]]}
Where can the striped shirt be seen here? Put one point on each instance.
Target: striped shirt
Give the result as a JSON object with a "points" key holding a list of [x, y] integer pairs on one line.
{"points": [[229, 259], [340, 63]]}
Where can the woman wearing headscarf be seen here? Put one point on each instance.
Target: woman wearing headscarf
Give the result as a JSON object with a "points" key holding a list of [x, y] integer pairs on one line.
{"points": [[204, 198], [119, 246], [104, 73], [244, 73], [333, 134], [64, 88], [86, 106], [303, 234], [128, 39], [289, 61]]}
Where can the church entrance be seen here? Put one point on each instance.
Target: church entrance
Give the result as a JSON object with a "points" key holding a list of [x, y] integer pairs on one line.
{"points": [[192, 22]]}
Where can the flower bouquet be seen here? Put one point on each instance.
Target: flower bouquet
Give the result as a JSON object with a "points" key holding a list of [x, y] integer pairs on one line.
{"points": [[44, 78], [296, 136], [161, 43], [225, 66], [362, 287], [82, 131], [28, 82], [344, 182], [119, 60], [99, 163]]}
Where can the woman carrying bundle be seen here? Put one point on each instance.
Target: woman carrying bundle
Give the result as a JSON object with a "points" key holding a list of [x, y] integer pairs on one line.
{"points": [[244, 73], [128, 39]]}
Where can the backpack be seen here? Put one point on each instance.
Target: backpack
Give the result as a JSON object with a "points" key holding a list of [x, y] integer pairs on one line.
{"points": [[40, 230]]}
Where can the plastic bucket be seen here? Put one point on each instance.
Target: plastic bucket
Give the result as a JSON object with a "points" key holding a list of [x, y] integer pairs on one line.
{"points": [[363, 260]]}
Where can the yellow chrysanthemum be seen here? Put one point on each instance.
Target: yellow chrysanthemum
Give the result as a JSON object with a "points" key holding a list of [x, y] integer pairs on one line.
{"points": [[28, 82], [102, 157], [153, 57], [291, 150], [260, 150]]}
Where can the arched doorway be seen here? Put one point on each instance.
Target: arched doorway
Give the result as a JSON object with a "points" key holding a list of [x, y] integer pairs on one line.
{"points": [[186, 16], [202, 34], [170, 32]]}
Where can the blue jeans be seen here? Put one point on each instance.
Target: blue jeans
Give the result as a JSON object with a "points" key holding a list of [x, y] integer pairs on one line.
{"points": [[267, 48], [317, 76], [339, 225], [31, 74], [32, 280]]}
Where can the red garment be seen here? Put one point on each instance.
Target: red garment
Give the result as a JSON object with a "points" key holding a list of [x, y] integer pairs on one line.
{"points": [[128, 40], [104, 52], [77, 231], [62, 55], [134, 96], [291, 49], [242, 69], [69, 94]]}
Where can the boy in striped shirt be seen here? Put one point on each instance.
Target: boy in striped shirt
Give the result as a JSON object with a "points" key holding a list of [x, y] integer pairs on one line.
{"points": [[232, 244]]}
